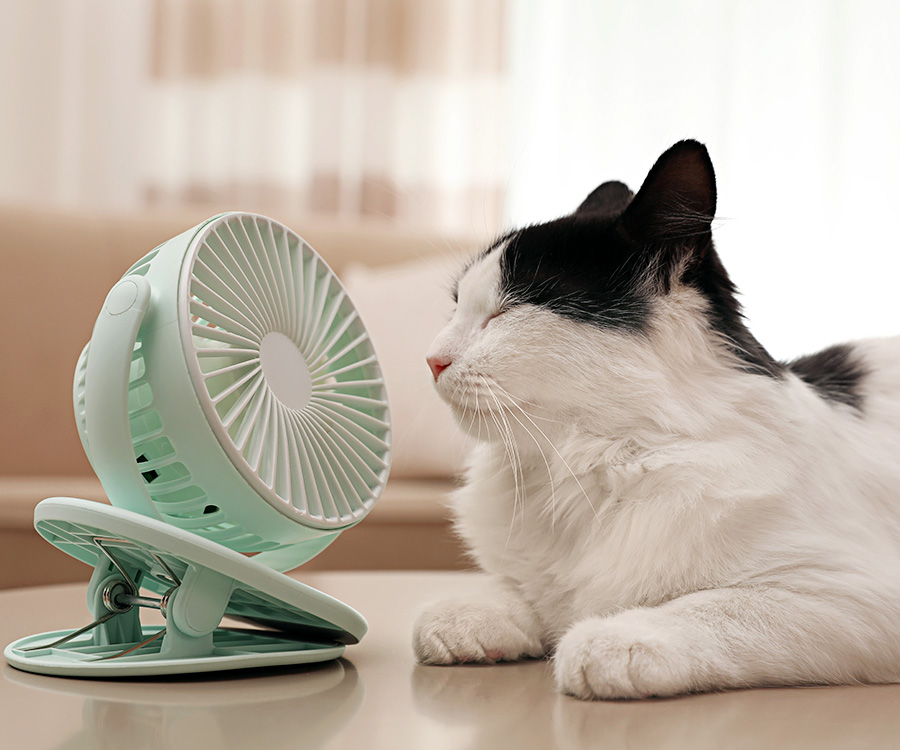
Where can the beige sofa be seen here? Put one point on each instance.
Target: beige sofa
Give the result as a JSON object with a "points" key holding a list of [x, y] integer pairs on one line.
{"points": [[57, 267]]}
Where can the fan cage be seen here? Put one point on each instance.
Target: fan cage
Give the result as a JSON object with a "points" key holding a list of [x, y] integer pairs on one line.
{"points": [[326, 457]]}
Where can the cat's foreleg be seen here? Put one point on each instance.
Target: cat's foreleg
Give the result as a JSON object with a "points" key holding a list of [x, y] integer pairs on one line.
{"points": [[495, 625], [714, 639]]}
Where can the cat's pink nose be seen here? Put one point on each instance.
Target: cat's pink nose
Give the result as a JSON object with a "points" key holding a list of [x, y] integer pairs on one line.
{"points": [[438, 365]]}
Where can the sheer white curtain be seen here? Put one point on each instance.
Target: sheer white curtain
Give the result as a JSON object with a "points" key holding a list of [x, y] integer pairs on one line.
{"points": [[799, 104], [386, 108]]}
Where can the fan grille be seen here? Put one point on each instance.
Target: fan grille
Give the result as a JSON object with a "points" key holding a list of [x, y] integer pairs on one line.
{"points": [[285, 370]]}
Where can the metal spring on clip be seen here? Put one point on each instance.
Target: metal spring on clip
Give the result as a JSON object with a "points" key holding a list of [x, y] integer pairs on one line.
{"points": [[121, 595]]}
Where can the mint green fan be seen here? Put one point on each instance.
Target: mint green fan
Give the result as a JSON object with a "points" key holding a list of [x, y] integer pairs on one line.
{"points": [[234, 410]]}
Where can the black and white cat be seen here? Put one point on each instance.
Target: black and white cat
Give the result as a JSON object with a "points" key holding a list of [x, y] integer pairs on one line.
{"points": [[661, 505]]}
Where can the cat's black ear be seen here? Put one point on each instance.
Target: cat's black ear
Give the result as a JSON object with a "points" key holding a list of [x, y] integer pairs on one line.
{"points": [[608, 200], [677, 201]]}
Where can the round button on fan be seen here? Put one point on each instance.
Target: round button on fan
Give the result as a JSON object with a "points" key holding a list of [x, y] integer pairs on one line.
{"points": [[122, 297]]}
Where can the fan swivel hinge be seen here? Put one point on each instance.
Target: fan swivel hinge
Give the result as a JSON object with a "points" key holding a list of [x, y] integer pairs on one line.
{"points": [[193, 606]]}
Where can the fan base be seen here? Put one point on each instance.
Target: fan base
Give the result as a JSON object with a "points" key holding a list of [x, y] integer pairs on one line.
{"points": [[232, 649]]}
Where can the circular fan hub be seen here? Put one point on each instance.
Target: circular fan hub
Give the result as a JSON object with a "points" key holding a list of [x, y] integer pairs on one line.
{"points": [[285, 370]]}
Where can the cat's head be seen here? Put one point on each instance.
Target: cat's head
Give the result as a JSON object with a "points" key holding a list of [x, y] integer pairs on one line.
{"points": [[598, 312]]}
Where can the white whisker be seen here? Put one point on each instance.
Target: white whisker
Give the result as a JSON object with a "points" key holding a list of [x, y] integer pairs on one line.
{"points": [[509, 452], [536, 442], [564, 462]]}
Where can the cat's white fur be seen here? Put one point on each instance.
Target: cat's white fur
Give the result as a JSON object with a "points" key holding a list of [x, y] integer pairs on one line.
{"points": [[659, 521]]}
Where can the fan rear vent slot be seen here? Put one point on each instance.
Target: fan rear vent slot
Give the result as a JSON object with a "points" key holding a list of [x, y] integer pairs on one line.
{"points": [[144, 427], [139, 396], [189, 498], [150, 475]]}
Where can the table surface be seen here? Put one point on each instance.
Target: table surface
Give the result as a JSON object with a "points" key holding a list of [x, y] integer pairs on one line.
{"points": [[378, 697]]}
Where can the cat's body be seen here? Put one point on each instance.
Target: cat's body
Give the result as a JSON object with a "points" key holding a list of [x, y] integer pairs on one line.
{"points": [[661, 505]]}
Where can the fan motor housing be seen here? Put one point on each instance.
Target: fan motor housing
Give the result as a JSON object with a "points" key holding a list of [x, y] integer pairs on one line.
{"points": [[256, 409]]}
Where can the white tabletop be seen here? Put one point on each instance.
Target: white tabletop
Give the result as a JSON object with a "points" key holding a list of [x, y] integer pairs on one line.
{"points": [[377, 697]]}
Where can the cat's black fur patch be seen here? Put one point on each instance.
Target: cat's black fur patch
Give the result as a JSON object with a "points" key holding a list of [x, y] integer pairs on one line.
{"points": [[577, 267], [604, 263], [835, 373], [584, 269]]}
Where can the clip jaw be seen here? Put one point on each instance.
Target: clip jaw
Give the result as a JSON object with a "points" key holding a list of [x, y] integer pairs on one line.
{"points": [[196, 583]]}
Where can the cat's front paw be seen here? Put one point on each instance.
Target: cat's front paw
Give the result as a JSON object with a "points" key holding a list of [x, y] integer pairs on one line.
{"points": [[458, 631], [625, 656]]}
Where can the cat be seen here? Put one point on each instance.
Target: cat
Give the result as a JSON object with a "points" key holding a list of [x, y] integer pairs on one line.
{"points": [[661, 507]]}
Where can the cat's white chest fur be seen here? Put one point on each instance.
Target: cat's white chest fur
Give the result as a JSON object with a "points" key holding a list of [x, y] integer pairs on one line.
{"points": [[562, 538]]}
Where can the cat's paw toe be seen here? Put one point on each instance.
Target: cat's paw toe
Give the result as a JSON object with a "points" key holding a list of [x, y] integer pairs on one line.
{"points": [[459, 632], [613, 658]]}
